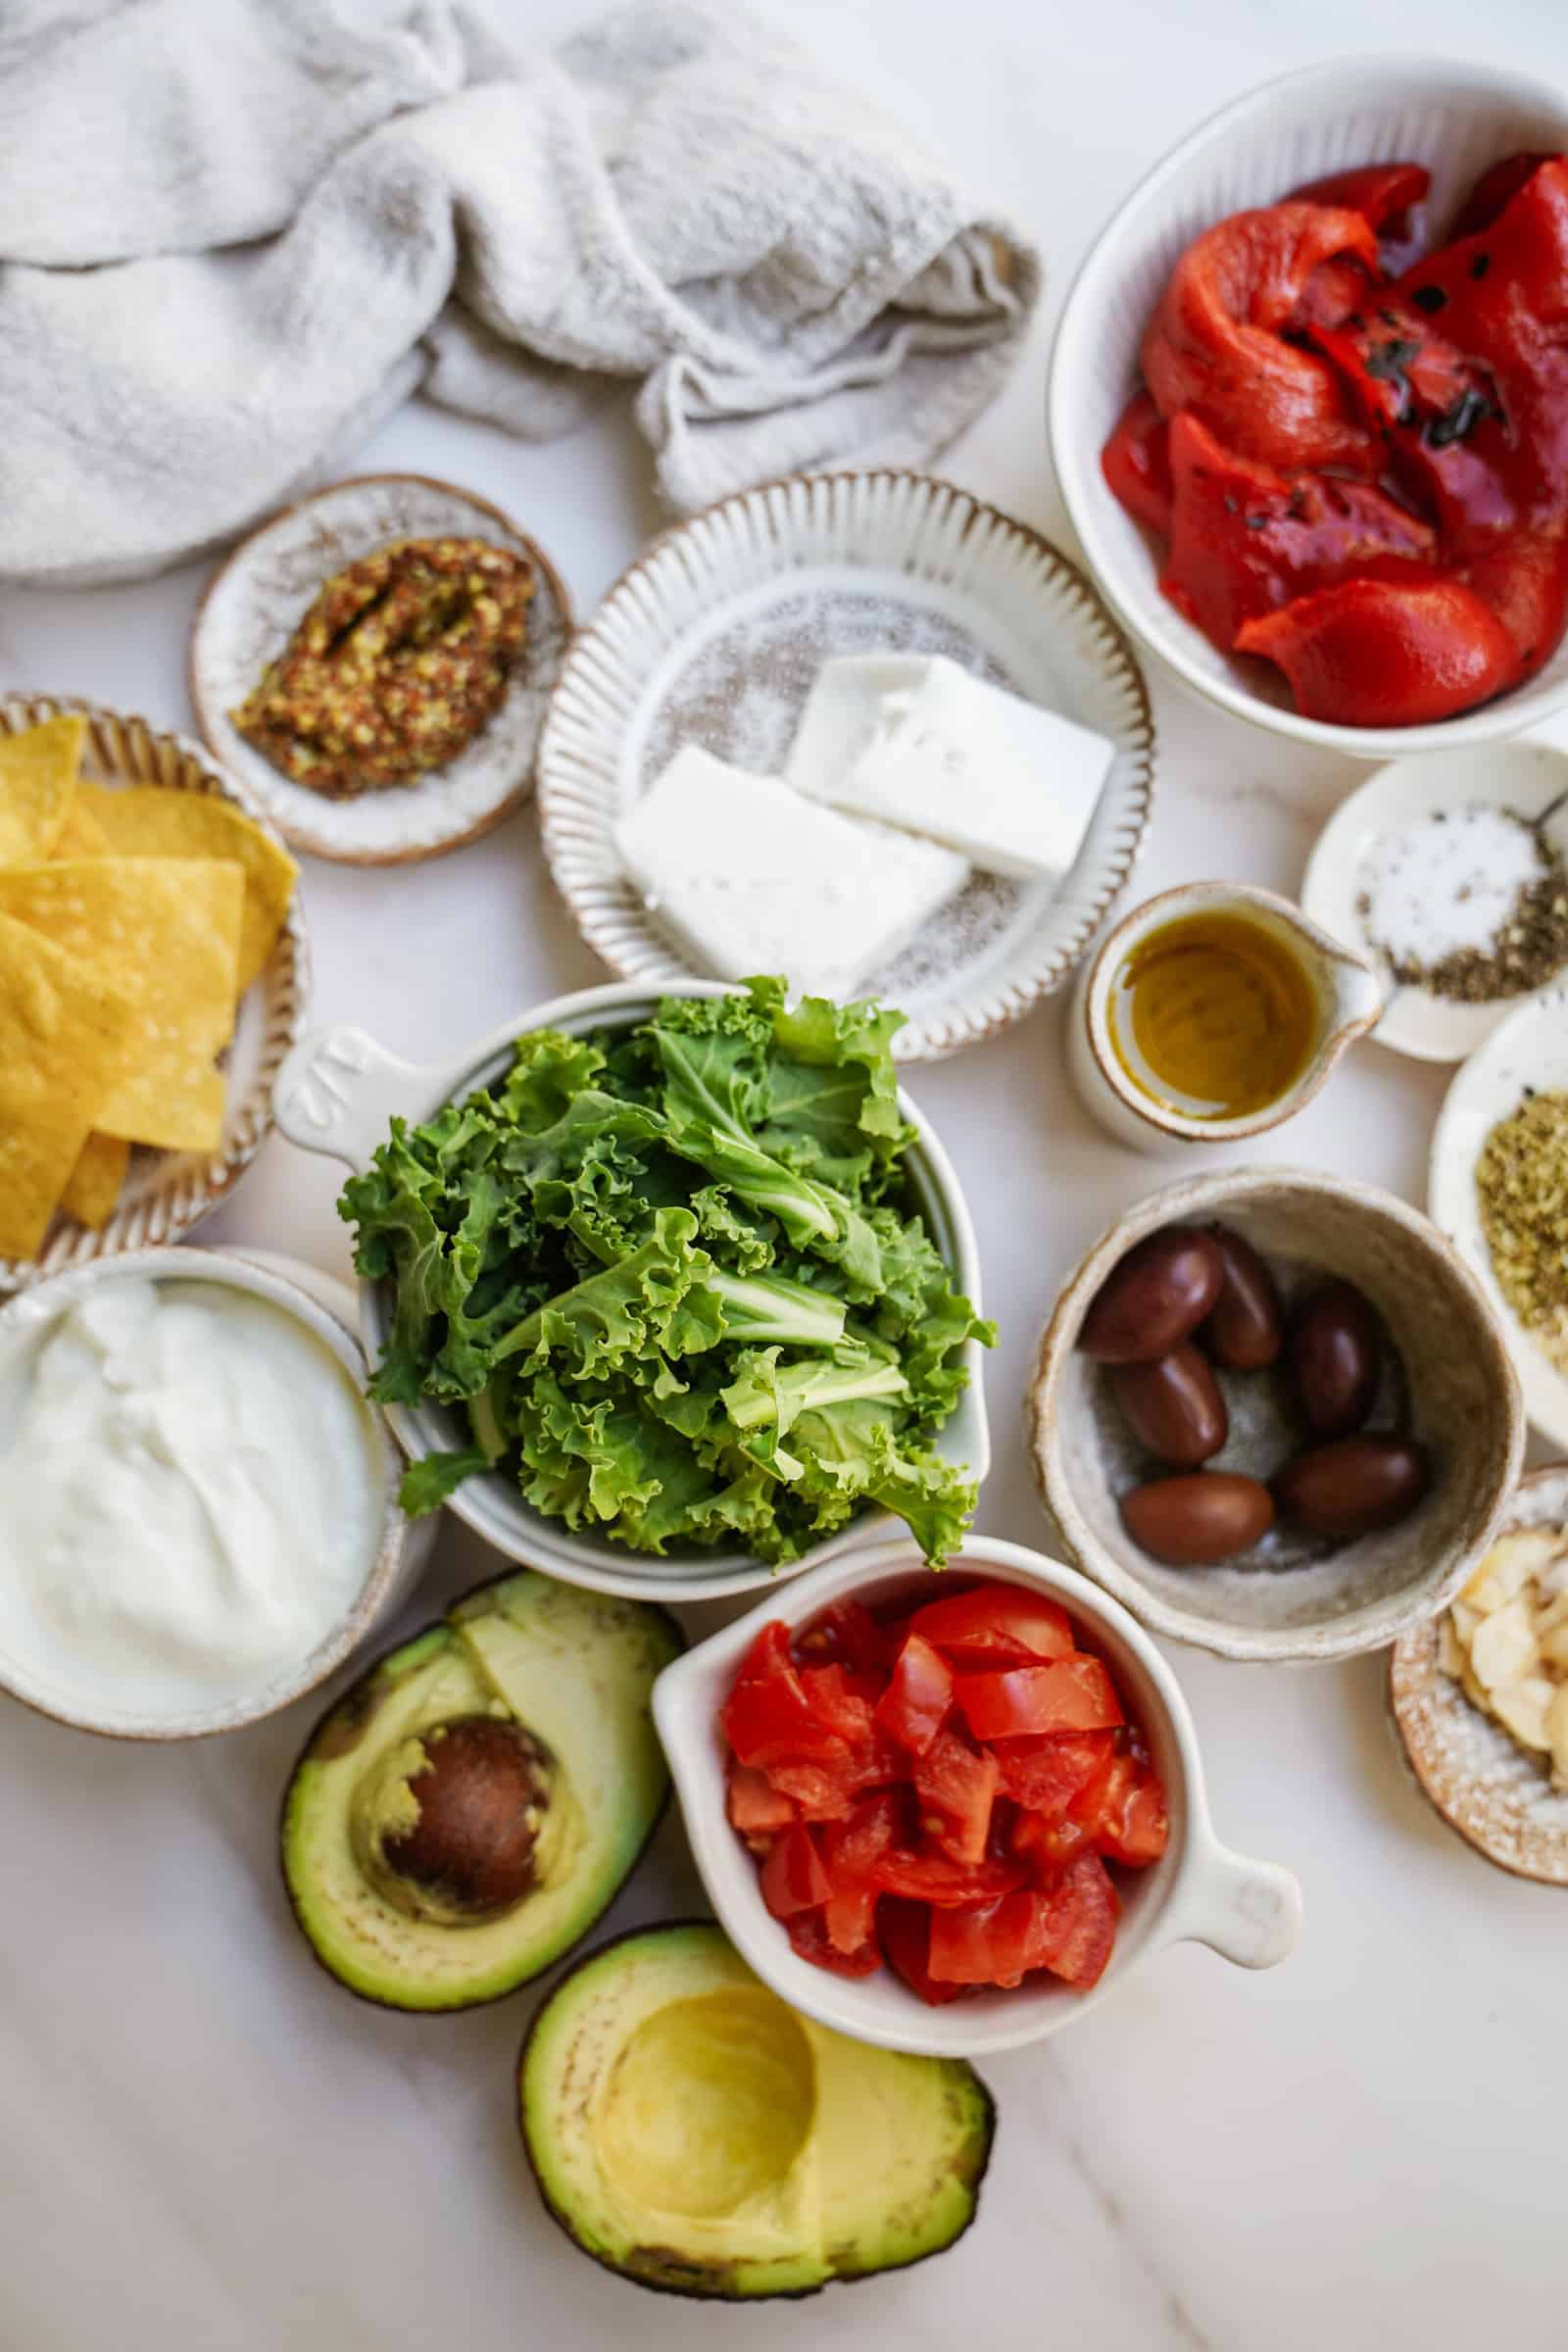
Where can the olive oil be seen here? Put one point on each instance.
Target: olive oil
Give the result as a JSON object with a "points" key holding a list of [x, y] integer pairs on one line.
{"points": [[1214, 1016]]}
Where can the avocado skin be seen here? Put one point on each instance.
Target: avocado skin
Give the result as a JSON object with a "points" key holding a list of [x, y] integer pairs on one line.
{"points": [[342, 1728], [702, 2287]]}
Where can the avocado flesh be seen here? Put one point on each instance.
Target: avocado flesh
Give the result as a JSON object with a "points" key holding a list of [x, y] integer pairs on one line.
{"points": [[577, 1670], [690, 2131]]}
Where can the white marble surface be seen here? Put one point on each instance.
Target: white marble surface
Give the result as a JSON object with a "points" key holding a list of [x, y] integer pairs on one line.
{"points": [[205, 2146]]}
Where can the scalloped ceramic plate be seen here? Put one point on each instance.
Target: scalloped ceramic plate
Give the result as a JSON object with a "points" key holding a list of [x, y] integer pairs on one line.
{"points": [[1525, 777], [251, 608], [1530, 1049], [716, 634], [167, 1193], [1480, 1780]]}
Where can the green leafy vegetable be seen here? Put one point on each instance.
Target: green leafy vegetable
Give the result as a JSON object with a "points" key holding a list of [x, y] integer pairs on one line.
{"points": [[672, 1278]]}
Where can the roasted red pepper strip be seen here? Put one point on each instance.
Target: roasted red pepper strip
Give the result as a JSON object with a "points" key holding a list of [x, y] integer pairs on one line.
{"points": [[1383, 654], [1214, 344], [1245, 539], [1383, 194], [1495, 188], [1136, 463]]}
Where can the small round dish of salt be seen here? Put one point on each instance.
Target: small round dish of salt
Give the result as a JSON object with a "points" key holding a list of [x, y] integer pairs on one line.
{"points": [[1450, 873]]}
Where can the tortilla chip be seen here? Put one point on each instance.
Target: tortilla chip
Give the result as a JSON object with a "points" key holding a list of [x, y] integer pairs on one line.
{"points": [[65, 1040], [37, 778], [164, 932], [147, 822], [93, 1186], [82, 837]]}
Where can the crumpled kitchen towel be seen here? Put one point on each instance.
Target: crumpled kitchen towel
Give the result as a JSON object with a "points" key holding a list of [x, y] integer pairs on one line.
{"points": [[235, 233]]}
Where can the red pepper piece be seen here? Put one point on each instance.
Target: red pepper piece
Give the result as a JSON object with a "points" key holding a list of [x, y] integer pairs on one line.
{"points": [[1383, 194], [1245, 539], [1383, 654], [1494, 191], [1136, 464], [1523, 576], [1214, 344]]}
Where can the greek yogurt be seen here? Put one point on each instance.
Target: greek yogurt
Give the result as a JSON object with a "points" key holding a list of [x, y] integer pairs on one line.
{"points": [[190, 1498]]}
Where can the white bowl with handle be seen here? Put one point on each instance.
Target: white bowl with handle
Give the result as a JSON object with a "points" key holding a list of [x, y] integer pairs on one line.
{"points": [[1198, 1892], [1454, 117], [338, 1093]]}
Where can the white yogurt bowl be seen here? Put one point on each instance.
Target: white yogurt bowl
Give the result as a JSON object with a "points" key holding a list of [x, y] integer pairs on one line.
{"points": [[392, 1565], [1453, 117], [1198, 1892], [337, 1093]]}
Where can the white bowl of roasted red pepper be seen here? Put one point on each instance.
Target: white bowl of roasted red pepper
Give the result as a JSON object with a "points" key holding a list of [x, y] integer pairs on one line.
{"points": [[1273, 1413], [951, 1864], [1308, 417]]}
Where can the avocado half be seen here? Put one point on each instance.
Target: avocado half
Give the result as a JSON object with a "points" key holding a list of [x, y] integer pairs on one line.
{"points": [[470, 1807], [692, 2132]]}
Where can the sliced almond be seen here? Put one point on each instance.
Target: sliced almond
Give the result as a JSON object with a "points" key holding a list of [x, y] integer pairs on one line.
{"points": [[1553, 1644], [1523, 1707], [1504, 1649], [1465, 1620], [1450, 1649], [1558, 1735], [1509, 1565], [1555, 1613], [1473, 1690]]}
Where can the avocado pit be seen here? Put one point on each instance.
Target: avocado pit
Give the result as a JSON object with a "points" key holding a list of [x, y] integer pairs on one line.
{"points": [[448, 1828]]}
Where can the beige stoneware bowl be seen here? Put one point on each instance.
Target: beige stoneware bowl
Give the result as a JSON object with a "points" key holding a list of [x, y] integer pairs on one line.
{"points": [[1480, 1780], [1198, 1892], [167, 1193], [392, 1571], [1295, 1599]]}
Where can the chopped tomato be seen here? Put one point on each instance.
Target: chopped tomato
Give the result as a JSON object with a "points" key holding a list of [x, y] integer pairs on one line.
{"points": [[935, 1878], [1069, 1694], [808, 1934], [904, 1931], [1046, 1843], [834, 1699], [1080, 1927], [851, 1851], [846, 1632], [915, 1705], [1375, 654], [768, 1715], [754, 1805], [987, 1944], [955, 1786], [1045, 1774], [1136, 463], [1131, 1824], [1214, 344], [994, 1624], [792, 1876]]}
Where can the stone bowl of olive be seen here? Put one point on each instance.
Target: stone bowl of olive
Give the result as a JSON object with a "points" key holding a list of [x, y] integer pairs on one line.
{"points": [[1273, 1415]]}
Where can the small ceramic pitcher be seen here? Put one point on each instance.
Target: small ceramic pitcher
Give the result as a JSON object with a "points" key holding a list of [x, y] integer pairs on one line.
{"points": [[1350, 999]]}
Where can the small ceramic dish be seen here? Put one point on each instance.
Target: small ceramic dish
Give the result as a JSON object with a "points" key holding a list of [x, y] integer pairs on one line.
{"points": [[1524, 778], [1198, 1892], [1349, 996], [1485, 1786], [1527, 1052], [716, 634], [336, 1095], [250, 609], [1293, 1596], [1456, 118], [392, 1571], [168, 1192]]}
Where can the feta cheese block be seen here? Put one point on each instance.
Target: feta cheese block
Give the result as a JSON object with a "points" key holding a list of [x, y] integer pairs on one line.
{"points": [[923, 743], [749, 876]]}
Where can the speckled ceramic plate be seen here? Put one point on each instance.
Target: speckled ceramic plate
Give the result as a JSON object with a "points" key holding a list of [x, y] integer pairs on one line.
{"points": [[715, 636], [251, 608], [167, 1193], [1482, 1783], [1529, 1050], [1528, 778]]}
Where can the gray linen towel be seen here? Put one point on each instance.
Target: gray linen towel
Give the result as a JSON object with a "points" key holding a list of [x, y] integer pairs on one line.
{"points": [[235, 233]]}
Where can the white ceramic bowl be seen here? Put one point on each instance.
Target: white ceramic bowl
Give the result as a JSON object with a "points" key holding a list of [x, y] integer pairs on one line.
{"points": [[1198, 1892], [396, 1563], [1530, 1049], [337, 1093], [716, 634], [1291, 1601], [1457, 118]]}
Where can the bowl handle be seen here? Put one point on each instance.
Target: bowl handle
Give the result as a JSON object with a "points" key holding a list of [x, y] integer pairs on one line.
{"points": [[337, 1091], [1248, 1912]]}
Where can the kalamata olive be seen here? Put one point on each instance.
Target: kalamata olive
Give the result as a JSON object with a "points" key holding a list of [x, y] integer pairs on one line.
{"points": [[1353, 1486], [1198, 1519], [1173, 1407], [1154, 1298], [1334, 1349], [1244, 1326]]}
